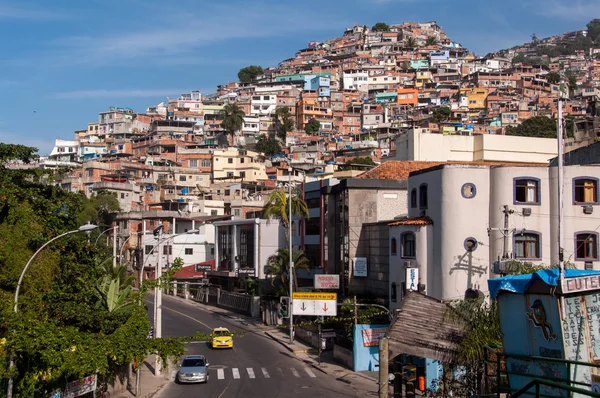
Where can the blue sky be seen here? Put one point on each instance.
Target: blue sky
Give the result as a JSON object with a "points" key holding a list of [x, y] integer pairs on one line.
{"points": [[63, 61]]}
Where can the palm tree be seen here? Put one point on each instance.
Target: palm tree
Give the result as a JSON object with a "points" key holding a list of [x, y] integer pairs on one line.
{"points": [[431, 41], [278, 266], [411, 42], [233, 119], [277, 206]]}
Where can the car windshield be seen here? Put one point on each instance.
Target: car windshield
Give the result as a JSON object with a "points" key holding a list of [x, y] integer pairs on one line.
{"points": [[192, 362], [221, 333]]}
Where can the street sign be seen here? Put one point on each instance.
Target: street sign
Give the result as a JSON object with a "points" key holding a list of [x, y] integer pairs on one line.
{"points": [[327, 281], [314, 307], [327, 335], [314, 296]]}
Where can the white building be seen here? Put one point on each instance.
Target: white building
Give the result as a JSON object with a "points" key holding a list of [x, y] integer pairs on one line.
{"points": [[64, 154], [251, 126], [356, 80], [263, 104], [455, 226], [421, 145]]}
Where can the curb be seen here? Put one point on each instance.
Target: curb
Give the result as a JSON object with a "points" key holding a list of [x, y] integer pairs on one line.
{"points": [[312, 364]]}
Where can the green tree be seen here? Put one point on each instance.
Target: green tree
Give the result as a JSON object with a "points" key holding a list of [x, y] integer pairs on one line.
{"points": [[411, 42], [518, 58], [593, 29], [312, 127], [100, 208], [381, 27], [405, 66], [536, 126], [572, 80], [249, 73], [441, 114], [232, 117], [431, 41], [534, 38], [278, 206], [278, 266], [62, 331], [553, 77], [283, 122], [267, 145], [359, 161]]}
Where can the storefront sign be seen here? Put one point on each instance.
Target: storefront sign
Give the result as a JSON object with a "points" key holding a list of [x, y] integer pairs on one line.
{"points": [[371, 336], [581, 284], [79, 388], [246, 271], [327, 281], [360, 266]]}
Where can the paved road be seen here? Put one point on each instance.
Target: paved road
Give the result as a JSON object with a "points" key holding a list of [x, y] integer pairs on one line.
{"points": [[256, 367]]}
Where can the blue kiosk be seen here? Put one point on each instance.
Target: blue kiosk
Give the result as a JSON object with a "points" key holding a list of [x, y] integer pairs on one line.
{"points": [[551, 330]]}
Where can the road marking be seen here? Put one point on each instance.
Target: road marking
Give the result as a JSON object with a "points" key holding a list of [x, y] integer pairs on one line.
{"points": [[295, 372], [236, 373], [198, 342], [250, 373], [187, 316], [310, 372], [280, 371], [265, 373], [220, 374]]}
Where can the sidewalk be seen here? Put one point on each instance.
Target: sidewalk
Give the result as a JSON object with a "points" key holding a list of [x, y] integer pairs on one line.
{"points": [[363, 381], [150, 384]]}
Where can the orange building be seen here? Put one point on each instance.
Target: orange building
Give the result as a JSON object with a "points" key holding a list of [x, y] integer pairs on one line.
{"points": [[408, 96]]}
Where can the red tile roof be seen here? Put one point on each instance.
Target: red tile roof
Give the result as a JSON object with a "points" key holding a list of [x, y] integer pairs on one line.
{"points": [[190, 271], [413, 221], [401, 169]]}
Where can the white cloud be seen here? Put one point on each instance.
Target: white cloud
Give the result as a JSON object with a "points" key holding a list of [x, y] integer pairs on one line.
{"points": [[34, 12], [171, 35], [128, 93], [577, 10]]}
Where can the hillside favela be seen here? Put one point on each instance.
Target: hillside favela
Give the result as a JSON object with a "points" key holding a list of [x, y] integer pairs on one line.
{"points": [[385, 213]]}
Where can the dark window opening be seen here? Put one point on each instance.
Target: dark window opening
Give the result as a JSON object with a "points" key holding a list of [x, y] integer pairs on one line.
{"points": [[587, 246]]}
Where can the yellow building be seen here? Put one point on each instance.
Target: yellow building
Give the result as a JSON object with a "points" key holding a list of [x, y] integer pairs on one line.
{"points": [[477, 98], [234, 163], [422, 77]]}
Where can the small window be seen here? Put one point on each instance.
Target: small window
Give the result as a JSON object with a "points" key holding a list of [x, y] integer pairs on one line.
{"points": [[167, 250], [527, 245], [413, 198], [241, 160], [394, 247], [586, 246], [205, 162], [182, 178], [236, 212], [229, 160], [242, 174], [408, 245], [468, 190], [148, 249], [585, 190], [423, 196], [527, 191], [229, 174], [394, 293], [213, 212], [194, 163], [189, 251]]}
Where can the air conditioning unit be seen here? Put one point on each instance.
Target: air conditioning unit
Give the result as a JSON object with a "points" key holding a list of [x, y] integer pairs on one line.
{"points": [[526, 212], [588, 209]]}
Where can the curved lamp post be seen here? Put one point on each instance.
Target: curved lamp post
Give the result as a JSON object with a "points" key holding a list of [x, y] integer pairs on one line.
{"points": [[102, 233], [83, 228]]}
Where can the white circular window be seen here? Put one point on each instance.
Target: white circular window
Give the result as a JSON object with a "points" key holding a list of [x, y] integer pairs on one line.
{"points": [[468, 190]]}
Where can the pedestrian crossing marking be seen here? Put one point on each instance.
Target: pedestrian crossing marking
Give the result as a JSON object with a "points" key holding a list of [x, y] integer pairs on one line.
{"points": [[220, 374], [280, 371], [265, 373], [236, 373], [250, 373], [310, 372], [295, 372]]}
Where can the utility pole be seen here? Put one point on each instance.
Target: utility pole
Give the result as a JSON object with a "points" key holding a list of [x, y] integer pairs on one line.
{"points": [[290, 310], [115, 246], [158, 300], [505, 232], [561, 231], [383, 368]]}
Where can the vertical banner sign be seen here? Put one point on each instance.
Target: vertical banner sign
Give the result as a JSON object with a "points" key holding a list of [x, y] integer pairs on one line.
{"points": [[412, 279], [360, 266]]}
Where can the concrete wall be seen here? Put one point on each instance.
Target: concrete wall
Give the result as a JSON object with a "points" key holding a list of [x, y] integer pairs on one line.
{"points": [[417, 145], [343, 355]]}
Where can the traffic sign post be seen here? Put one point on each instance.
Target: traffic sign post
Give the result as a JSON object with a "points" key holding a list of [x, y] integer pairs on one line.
{"points": [[314, 304]]}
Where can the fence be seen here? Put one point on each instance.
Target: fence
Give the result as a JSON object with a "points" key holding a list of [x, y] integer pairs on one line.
{"points": [[213, 295]]}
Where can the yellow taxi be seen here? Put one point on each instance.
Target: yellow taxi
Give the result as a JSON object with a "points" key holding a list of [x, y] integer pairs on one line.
{"points": [[221, 338]]}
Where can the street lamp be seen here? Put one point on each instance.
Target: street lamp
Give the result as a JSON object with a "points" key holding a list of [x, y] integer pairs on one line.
{"points": [[157, 289], [291, 278], [83, 228], [116, 228]]}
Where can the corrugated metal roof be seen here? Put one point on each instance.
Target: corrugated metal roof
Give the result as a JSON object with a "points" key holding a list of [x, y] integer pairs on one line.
{"points": [[413, 221]]}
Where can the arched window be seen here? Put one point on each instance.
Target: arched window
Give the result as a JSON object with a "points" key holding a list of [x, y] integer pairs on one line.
{"points": [[394, 247], [413, 198], [527, 245], [394, 293], [586, 246], [408, 241], [423, 196]]}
